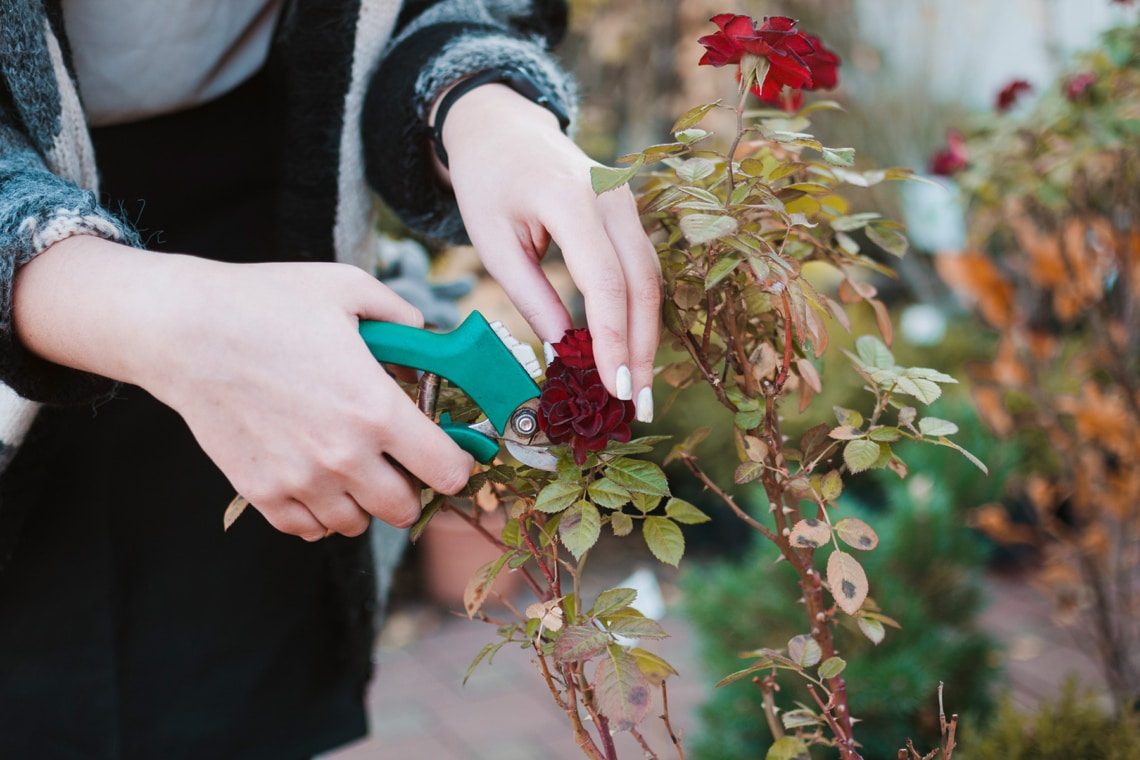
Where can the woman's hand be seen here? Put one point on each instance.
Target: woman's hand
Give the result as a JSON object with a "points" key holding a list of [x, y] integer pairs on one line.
{"points": [[265, 364], [520, 182]]}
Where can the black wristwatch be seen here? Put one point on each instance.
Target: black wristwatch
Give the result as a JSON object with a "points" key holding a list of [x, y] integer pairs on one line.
{"points": [[516, 79]]}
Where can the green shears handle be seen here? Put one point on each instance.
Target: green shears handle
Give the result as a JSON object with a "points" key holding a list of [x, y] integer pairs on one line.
{"points": [[471, 357]]}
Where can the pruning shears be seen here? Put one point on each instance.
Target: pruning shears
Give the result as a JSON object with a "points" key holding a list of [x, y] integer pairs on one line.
{"points": [[488, 364]]}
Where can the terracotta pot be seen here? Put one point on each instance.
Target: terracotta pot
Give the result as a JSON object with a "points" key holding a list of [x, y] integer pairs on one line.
{"points": [[450, 553]]}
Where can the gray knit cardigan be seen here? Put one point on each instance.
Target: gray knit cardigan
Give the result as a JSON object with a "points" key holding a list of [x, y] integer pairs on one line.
{"points": [[337, 64]]}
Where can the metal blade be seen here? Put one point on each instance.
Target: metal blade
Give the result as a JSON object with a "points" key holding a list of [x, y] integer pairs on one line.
{"points": [[540, 459]]}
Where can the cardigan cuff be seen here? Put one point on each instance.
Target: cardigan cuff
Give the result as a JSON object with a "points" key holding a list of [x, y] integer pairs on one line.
{"points": [[59, 211], [397, 140]]}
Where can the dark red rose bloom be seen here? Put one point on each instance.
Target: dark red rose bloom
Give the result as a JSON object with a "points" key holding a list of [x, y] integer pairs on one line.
{"points": [[1076, 85], [1009, 95], [737, 37], [952, 158], [575, 407]]}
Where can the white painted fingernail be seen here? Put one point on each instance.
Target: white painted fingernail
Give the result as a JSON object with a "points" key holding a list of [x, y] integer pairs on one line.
{"points": [[645, 405], [548, 352], [624, 383]]}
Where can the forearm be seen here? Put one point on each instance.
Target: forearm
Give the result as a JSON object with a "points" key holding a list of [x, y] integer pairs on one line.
{"points": [[94, 305]]}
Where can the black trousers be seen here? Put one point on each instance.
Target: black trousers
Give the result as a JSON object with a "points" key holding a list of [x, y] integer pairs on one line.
{"points": [[132, 626]]}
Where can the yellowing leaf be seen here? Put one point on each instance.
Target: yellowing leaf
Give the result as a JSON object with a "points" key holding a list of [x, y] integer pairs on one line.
{"points": [[664, 539], [861, 455], [639, 476], [832, 667], [705, 228], [856, 533], [579, 643], [654, 668], [685, 513], [872, 629], [847, 580], [606, 493], [621, 523], [810, 534], [612, 600], [580, 528], [623, 692], [479, 586], [788, 748], [234, 510]]}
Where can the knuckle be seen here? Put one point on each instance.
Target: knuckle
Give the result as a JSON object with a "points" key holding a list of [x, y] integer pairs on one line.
{"points": [[452, 481], [405, 517], [350, 524]]}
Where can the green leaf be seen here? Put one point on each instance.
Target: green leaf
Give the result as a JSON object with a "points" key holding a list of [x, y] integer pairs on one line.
{"points": [[935, 427], [488, 652], [847, 580], [800, 718], [976, 462], [733, 677], [720, 270], [434, 504], [839, 156], [872, 629], [861, 455], [848, 417], [656, 669], [685, 513], [612, 600], [705, 228], [633, 624], [645, 502], [577, 643], [606, 493], [580, 528], [890, 240], [832, 667], [748, 419], [856, 533], [692, 117], [690, 136], [885, 434], [621, 523], [557, 496], [747, 472], [621, 689], [788, 748], [664, 539], [804, 650], [874, 353], [638, 476], [695, 169], [925, 391], [606, 178], [512, 533], [853, 222]]}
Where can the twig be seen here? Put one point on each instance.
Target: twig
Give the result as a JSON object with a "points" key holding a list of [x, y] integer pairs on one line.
{"points": [[842, 740], [691, 462], [669, 726], [948, 728], [649, 753], [768, 689]]}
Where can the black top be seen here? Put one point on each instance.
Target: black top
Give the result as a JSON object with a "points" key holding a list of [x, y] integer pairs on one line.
{"points": [[134, 627]]}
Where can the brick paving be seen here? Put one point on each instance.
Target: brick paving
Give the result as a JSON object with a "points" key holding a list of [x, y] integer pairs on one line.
{"points": [[420, 709]]}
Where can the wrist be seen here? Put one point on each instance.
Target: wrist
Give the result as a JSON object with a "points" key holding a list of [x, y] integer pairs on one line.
{"points": [[507, 79]]}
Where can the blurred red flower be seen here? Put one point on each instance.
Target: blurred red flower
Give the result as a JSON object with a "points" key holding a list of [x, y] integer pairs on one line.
{"points": [[950, 159], [1076, 85], [1009, 95], [574, 406]]}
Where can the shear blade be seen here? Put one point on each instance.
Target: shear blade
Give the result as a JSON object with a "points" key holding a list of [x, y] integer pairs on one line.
{"points": [[540, 459]]}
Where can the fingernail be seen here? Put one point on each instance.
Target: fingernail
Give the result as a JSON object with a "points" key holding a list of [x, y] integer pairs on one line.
{"points": [[624, 383], [548, 352], [645, 405]]}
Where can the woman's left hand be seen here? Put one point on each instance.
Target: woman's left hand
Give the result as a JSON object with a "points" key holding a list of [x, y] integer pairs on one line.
{"points": [[520, 183]]}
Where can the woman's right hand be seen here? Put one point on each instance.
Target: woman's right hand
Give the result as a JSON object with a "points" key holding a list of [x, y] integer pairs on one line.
{"points": [[265, 364]]}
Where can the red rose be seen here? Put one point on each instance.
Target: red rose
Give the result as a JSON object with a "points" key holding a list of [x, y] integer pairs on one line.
{"points": [[1076, 86], [575, 407], [1009, 95], [737, 37], [823, 66], [952, 158]]}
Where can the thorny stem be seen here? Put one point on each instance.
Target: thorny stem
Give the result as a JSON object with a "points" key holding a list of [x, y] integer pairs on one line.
{"points": [[538, 559], [649, 753], [570, 706], [768, 690], [843, 740], [691, 462], [668, 725]]}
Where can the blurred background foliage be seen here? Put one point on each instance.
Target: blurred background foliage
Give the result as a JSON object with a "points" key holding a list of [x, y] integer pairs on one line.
{"points": [[910, 70]]}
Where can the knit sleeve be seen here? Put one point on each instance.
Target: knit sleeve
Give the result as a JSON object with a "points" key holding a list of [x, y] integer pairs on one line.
{"points": [[37, 209], [436, 44]]}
